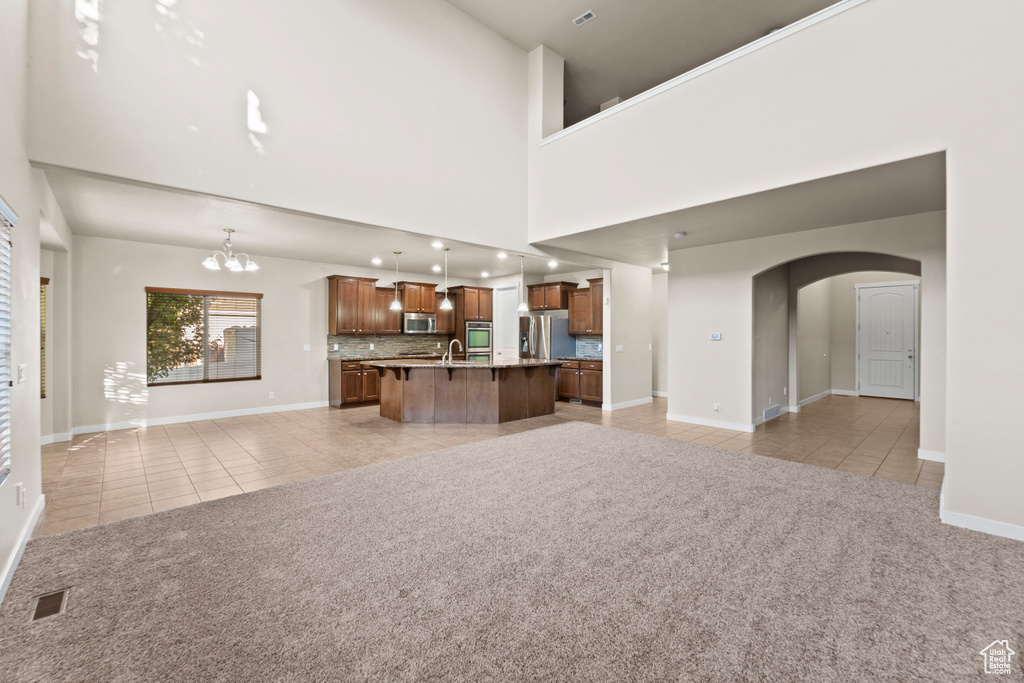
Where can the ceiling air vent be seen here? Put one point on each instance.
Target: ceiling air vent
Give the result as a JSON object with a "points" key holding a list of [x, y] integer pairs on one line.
{"points": [[583, 18]]}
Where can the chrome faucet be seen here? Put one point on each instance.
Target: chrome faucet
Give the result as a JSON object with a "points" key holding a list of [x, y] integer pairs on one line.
{"points": [[449, 354]]}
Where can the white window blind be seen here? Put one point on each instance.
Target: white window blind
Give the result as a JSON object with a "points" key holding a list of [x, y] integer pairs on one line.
{"points": [[7, 220], [199, 336]]}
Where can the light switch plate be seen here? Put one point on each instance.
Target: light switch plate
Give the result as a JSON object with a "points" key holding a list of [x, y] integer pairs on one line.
{"points": [[371, 347], [22, 373], [618, 348], [306, 347]]}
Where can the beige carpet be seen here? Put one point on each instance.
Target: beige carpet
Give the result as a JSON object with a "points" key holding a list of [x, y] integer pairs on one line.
{"points": [[574, 552]]}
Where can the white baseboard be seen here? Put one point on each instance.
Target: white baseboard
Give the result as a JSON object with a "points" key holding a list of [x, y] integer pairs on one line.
{"points": [[934, 456], [662, 394], [720, 424], [12, 562], [816, 397], [55, 438], [626, 404], [844, 392], [986, 526], [89, 429]]}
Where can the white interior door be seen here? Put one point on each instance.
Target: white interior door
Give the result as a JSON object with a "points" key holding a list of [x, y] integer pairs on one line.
{"points": [[887, 340], [506, 322]]}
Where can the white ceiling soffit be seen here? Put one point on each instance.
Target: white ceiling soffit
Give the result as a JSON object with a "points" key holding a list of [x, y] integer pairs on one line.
{"points": [[902, 188], [630, 47], [104, 207]]}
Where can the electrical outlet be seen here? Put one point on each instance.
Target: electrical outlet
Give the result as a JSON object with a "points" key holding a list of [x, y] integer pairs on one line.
{"points": [[371, 347], [784, 390], [19, 495], [716, 407], [650, 347], [438, 344], [271, 394], [618, 348], [22, 373], [335, 347], [769, 400], [306, 347]]}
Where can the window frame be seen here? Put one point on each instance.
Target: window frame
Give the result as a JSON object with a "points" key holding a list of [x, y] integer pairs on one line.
{"points": [[211, 293]]}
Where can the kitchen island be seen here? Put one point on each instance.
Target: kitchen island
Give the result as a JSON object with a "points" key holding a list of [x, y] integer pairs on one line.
{"points": [[423, 391]]}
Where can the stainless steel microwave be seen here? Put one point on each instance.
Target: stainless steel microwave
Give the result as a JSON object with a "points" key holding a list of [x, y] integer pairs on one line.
{"points": [[419, 323]]}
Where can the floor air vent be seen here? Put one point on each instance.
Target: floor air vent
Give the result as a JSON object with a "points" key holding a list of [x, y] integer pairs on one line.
{"points": [[50, 604], [772, 412]]}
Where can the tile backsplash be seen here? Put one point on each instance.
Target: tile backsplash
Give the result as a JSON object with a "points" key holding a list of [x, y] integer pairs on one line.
{"points": [[385, 345], [589, 345]]}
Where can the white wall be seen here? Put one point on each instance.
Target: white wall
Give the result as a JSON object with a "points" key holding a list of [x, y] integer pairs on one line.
{"points": [[770, 340], [109, 362], [17, 190], [711, 290], [627, 323], [814, 339], [402, 113], [659, 334], [836, 101]]}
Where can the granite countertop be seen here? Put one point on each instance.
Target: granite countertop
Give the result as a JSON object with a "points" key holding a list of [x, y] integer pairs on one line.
{"points": [[594, 358], [358, 359], [416, 363]]}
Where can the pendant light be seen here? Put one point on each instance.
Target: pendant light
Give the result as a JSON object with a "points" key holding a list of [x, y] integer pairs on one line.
{"points": [[396, 305], [523, 308], [446, 305]]}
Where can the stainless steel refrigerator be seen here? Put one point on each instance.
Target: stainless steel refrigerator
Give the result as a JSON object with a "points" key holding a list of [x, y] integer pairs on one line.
{"points": [[545, 337]]}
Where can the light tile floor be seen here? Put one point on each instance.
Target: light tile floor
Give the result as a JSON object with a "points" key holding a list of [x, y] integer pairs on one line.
{"points": [[107, 476]]}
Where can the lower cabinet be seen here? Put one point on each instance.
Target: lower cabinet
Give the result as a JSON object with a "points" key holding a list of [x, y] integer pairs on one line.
{"points": [[581, 380], [351, 382]]}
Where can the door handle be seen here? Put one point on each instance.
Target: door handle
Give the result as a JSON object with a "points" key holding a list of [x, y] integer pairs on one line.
{"points": [[909, 356]]}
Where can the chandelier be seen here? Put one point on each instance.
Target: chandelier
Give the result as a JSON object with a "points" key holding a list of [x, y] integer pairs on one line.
{"points": [[231, 261]]}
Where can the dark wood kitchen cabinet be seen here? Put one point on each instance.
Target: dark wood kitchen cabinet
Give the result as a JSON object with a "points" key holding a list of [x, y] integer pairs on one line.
{"points": [[351, 305], [586, 309], [445, 319], [580, 312], [581, 380], [596, 306], [569, 380], [352, 382], [550, 296], [474, 303], [388, 321], [417, 297]]}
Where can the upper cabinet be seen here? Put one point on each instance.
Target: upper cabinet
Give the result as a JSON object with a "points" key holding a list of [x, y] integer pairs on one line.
{"points": [[445, 319], [417, 297], [388, 321], [596, 306], [474, 303], [586, 309], [351, 305], [550, 296]]}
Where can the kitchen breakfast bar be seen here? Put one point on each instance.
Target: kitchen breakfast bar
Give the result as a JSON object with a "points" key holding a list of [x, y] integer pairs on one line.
{"points": [[423, 391]]}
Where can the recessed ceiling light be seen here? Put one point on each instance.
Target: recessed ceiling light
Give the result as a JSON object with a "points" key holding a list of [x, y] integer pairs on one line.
{"points": [[553, 263], [376, 261], [436, 268], [485, 274], [437, 244], [664, 266], [679, 234], [502, 255], [584, 18]]}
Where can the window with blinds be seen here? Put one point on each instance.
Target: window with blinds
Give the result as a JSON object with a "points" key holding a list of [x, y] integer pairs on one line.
{"points": [[7, 220], [198, 336]]}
